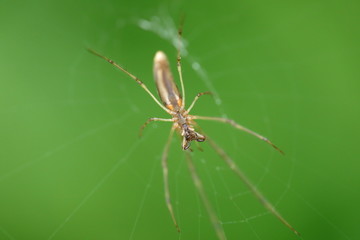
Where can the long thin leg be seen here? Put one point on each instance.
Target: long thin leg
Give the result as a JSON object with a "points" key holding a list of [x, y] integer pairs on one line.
{"points": [[199, 186], [164, 164], [180, 45], [238, 126], [132, 76], [249, 184], [153, 120], [196, 98]]}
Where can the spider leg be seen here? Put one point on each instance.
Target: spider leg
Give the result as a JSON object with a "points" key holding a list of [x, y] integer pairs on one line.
{"points": [[249, 184], [199, 187], [165, 168], [153, 120], [132, 76], [196, 98], [178, 60], [238, 126]]}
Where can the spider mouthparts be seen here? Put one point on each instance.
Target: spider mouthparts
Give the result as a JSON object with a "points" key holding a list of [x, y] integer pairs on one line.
{"points": [[186, 144]]}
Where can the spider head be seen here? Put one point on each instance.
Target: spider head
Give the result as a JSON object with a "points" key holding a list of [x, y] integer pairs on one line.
{"points": [[189, 135]]}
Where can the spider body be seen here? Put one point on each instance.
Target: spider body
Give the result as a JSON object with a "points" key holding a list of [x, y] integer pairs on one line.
{"points": [[172, 100]]}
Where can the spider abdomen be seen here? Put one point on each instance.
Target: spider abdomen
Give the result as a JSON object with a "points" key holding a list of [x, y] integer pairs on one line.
{"points": [[167, 89]]}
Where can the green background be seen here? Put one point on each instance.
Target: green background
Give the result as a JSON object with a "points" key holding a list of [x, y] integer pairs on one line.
{"points": [[73, 167]]}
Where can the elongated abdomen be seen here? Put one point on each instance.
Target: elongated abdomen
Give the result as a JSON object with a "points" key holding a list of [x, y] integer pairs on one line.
{"points": [[167, 89]]}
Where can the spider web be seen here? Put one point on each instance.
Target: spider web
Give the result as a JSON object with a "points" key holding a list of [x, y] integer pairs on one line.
{"points": [[238, 211], [165, 28]]}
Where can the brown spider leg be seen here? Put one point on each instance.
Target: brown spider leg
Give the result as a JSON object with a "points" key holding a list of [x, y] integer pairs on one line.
{"points": [[238, 126], [249, 184], [133, 77], [199, 187], [178, 59], [153, 120], [195, 100], [165, 168]]}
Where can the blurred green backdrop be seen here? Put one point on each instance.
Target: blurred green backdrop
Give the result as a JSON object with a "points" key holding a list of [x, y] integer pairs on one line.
{"points": [[73, 167]]}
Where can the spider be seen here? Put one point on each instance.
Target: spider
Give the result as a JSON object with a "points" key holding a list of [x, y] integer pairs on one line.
{"points": [[174, 104]]}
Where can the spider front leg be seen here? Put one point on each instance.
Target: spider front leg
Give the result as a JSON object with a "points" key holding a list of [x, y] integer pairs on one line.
{"points": [[153, 120], [165, 168], [178, 60], [133, 77], [230, 162], [240, 127], [199, 187]]}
